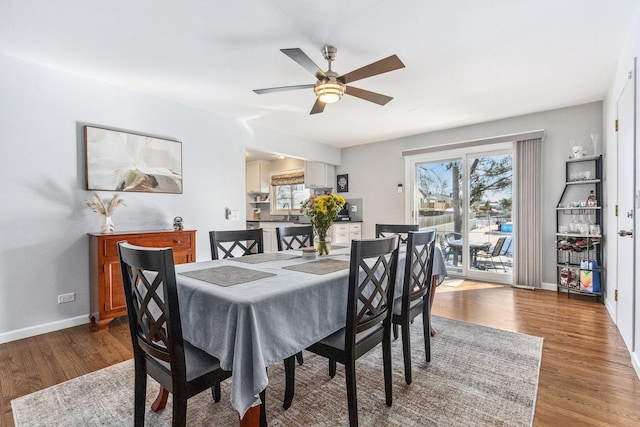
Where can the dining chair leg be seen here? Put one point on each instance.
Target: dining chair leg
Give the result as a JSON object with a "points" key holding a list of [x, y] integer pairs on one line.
{"points": [[290, 381], [426, 331], [395, 331], [386, 361], [332, 368], [352, 399], [140, 396], [216, 392], [406, 351], [299, 358], [179, 409]]}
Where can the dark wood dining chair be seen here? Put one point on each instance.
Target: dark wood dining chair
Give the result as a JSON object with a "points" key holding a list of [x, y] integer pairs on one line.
{"points": [[372, 273], [289, 238], [386, 230], [416, 292], [233, 243], [159, 349], [294, 237]]}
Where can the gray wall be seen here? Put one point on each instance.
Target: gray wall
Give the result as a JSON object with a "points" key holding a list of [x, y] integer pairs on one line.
{"points": [[375, 170], [43, 219]]}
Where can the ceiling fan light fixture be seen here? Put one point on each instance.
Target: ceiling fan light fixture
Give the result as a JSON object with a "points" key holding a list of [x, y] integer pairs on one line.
{"points": [[329, 91]]}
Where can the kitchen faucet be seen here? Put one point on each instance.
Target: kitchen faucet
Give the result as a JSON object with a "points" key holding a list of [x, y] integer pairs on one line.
{"points": [[289, 215]]}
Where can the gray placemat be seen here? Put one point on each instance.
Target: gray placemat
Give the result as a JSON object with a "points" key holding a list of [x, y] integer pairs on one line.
{"points": [[258, 258], [322, 266], [227, 275]]}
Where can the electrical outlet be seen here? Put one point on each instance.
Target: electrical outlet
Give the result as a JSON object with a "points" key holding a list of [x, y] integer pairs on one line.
{"points": [[66, 297], [354, 208]]}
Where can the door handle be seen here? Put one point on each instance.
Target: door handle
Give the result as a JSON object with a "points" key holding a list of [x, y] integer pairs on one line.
{"points": [[623, 233]]}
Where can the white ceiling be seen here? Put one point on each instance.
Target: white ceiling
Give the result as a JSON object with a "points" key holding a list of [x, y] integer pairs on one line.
{"points": [[467, 61]]}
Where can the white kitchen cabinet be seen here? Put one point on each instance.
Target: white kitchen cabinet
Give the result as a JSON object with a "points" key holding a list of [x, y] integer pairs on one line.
{"points": [[258, 176], [342, 233], [355, 231], [269, 236], [319, 175]]}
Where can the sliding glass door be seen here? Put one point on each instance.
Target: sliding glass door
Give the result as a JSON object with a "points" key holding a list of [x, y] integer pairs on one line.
{"points": [[467, 197], [438, 204]]}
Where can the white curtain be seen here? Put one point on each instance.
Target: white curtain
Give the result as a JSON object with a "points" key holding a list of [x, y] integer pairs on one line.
{"points": [[528, 265]]}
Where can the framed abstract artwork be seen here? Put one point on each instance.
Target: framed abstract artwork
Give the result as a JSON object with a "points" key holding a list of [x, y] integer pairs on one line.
{"points": [[343, 183], [123, 161]]}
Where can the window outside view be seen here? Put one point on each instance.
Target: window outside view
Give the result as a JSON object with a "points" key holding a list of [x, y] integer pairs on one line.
{"points": [[441, 205], [289, 197]]}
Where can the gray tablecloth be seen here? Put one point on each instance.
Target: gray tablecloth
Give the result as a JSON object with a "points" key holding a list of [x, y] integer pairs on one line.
{"points": [[252, 325], [439, 268]]}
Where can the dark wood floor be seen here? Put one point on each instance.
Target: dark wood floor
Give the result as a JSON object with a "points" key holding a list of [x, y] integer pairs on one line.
{"points": [[586, 377]]}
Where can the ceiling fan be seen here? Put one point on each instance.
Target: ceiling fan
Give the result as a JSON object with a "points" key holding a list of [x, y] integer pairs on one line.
{"points": [[330, 86]]}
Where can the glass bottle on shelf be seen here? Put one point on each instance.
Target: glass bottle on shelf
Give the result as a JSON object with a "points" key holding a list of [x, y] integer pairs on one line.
{"points": [[573, 225], [583, 226], [589, 224], [591, 200]]}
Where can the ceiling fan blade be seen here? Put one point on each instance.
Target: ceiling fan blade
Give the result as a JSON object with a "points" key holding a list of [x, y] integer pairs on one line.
{"points": [[304, 61], [368, 95], [318, 107], [383, 66], [282, 89]]}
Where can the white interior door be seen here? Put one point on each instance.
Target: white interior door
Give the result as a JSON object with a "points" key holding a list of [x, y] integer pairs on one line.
{"points": [[636, 348], [625, 201]]}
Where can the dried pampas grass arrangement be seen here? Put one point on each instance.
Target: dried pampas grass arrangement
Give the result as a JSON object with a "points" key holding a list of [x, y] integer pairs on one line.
{"points": [[106, 210]]}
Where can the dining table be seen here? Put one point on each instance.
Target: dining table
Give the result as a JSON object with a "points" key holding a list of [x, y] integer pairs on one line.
{"points": [[474, 247], [254, 311]]}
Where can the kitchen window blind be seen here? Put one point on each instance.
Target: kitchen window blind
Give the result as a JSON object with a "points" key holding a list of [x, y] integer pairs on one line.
{"points": [[288, 178]]}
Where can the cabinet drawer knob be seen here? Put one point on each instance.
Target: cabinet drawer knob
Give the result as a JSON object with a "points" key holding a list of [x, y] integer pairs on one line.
{"points": [[177, 241]]}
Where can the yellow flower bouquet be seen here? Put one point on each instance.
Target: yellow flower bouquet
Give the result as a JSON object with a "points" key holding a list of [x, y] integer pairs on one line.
{"points": [[322, 211]]}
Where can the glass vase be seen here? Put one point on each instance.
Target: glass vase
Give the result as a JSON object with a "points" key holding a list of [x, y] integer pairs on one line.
{"points": [[323, 247]]}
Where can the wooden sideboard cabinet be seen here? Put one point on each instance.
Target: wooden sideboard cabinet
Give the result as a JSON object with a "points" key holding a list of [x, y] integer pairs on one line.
{"points": [[106, 291]]}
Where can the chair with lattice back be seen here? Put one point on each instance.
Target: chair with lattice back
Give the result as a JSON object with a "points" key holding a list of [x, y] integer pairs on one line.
{"points": [[159, 349], [416, 293], [372, 273], [402, 230], [234, 243], [294, 237]]}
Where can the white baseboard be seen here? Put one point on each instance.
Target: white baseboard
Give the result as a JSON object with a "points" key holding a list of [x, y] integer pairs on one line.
{"points": [[31, 331], [549, 286], [635, 361]]}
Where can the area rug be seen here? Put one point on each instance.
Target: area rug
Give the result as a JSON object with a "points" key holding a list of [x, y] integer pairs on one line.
{"points": [[478, 376]]}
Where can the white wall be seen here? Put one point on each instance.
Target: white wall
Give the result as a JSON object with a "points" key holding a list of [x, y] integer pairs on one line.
{"points": [[43, 220], [375, 170]]}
